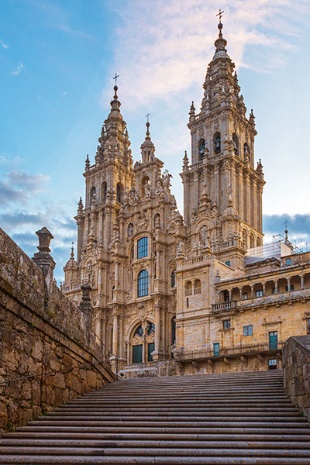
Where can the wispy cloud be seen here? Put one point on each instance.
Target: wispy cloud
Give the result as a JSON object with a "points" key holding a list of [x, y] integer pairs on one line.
{"points": [[18, 70], [169, 51], [3, 44], [17, 186]]}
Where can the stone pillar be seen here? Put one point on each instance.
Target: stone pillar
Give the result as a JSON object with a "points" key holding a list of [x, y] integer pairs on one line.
{"points": [[115, 333], [86, 308], [43, 258], [115, 356], [157, 352]]}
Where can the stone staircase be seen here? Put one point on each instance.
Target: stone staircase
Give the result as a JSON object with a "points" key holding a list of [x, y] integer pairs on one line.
{"points": [[236, 418]]}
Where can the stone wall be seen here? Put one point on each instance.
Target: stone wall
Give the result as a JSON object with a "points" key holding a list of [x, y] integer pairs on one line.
{"points": [[47, 354], [296, 365]]}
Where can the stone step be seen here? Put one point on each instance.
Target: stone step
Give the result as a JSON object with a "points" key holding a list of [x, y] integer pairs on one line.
{"points": [[230, 419], [241, 428], [123, 460], [178, 412], [172, 418], [82, 442], [296, 436], [199, 451]]}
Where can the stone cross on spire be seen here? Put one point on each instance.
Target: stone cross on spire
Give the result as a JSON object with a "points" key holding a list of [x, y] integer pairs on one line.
{"points": [[220, 14], [220, 25], [115, 78]]}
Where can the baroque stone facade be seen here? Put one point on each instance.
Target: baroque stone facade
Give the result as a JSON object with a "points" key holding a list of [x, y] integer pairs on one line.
{"points": [[175, 295]]}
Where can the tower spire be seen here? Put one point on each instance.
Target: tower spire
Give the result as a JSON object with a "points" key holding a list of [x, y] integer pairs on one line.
{"points": [[147, 147]]}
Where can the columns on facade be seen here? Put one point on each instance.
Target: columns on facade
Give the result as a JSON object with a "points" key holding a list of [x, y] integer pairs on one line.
{"points": [[246, 196], [157, 354], [302, 282], [115, 317]]}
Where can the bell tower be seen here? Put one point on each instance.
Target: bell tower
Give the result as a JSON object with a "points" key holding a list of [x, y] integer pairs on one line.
{"points": [[220, 181]]}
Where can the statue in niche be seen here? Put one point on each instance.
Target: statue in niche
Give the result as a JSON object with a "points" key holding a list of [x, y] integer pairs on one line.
{"points": [[203, 235], [147, 189], [130, 230], [180, 248], [159, 187]]}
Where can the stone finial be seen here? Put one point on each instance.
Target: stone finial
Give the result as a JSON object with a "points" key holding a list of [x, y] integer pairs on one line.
{"points": [[43, 258], [45, 238]]}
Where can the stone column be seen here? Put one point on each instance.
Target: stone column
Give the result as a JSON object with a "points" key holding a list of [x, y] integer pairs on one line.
{"points": [[115, 333], [157, 352], [43, 258], [87, 310]]}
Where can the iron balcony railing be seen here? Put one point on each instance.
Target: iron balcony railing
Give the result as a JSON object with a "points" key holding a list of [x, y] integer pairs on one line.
{"points": [[204, 354]]}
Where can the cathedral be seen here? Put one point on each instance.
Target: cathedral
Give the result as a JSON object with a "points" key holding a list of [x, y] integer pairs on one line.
{"points": [[194, 294]]}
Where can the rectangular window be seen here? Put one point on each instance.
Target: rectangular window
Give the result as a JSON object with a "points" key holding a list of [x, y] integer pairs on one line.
{"points": [[216, 349], [245, 296], [273, 340], [288, 261], [308, 325], [248, 330], [137, 354], [272, 364], [142, 247], [259, 293], [226, 324]]}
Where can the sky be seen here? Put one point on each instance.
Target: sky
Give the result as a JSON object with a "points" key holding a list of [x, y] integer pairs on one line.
{"points": [[57, 62]]}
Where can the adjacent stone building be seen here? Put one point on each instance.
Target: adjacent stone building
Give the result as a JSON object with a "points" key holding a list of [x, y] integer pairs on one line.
{"points": [[175, 295]]}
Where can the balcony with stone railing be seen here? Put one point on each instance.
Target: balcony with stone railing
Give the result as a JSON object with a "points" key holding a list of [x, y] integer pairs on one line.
{"points": [[227, 352], [274, 299]]}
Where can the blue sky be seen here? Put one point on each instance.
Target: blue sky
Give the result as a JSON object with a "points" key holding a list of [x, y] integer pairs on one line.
{"points": [[57, 61]]}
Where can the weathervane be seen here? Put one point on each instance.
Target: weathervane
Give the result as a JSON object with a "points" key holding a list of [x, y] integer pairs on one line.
{"points": [[147, 117]]}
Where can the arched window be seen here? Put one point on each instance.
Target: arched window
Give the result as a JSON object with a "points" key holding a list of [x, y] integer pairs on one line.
{"points": [[197, 286], [201, 148], [217, 142], [150, 328], [252, 241], [143, 283], [236, 143], [188, 288], [172, 276], [142, 247], [258, 242], [119, 192], [143, 342], [138, 332], [104, 189]]}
